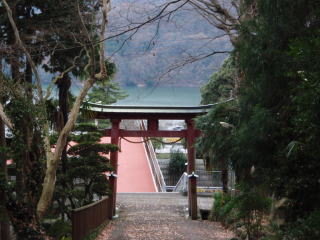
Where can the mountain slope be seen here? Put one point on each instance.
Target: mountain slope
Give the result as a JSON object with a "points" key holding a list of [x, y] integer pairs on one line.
{"points": [[152, 56]]}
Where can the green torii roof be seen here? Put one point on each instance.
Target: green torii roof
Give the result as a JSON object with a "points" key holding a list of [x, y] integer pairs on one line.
{"points": [[146, 112]]}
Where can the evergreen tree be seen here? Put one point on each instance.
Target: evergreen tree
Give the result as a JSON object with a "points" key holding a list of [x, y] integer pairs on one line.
{"points": [[219, 125], [43, 28], [177, 163], [85, 180], [218, 128], [220, 86], [21, 196], [107, 92], [279, 102], [273, 147]]}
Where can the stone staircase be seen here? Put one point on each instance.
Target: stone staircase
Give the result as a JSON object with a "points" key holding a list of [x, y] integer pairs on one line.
{"points": [[205, 179]]}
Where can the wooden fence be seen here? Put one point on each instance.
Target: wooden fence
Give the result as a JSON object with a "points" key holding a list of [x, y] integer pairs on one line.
{"points": [[88, 218]]}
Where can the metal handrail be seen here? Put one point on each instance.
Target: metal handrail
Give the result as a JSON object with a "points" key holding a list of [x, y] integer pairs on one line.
{"points": [[156, 171], [214, 177], [182, 184]]}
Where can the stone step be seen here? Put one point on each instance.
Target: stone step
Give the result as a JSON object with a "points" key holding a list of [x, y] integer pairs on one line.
{"points": [[204, 180]]}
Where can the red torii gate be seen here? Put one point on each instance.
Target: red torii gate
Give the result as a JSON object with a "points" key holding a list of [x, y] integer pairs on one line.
{"points": [[152, 114]]}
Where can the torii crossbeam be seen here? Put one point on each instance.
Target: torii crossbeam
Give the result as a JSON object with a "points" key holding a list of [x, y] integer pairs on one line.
{"points": [[152, 114]]}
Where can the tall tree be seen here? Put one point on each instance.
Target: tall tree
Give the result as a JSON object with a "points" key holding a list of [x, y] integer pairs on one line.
{"points": [[220, 86], [4, 222], [220, 123], [26, 114], [279, 103]]}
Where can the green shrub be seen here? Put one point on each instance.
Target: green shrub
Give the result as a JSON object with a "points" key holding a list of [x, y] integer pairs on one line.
{"points": [[307, 228], [244, 212], [156, 143], [224, 208], [177, 163], [217, 205], [59, 230], [252, 207]]}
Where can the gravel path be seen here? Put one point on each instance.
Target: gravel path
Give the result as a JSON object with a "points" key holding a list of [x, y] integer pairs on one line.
{"points": [[152, 216]]}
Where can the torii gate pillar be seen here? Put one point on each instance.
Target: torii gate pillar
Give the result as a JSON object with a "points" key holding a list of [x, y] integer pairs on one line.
{"points": [[192, 181], [115, 134]]}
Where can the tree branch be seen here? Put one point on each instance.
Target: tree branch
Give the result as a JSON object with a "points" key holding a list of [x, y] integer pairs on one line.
{"points": [[5, 118], [61, 75], [52, 162], [135, 29], [185, 62], [22, 46], [219, 16], [105, 10]]}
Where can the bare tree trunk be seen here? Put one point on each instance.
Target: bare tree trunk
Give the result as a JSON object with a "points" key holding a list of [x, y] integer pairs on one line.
{"points": [[52, 164], [225, 180], [64, 85], [5, 118], [28, 79], [4, 221]]}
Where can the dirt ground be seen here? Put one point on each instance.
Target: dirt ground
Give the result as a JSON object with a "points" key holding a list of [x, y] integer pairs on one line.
{"points": [[152, 216]]}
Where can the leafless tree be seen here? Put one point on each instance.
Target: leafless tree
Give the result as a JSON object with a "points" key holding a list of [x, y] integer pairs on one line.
{"points": [[221, 14]]}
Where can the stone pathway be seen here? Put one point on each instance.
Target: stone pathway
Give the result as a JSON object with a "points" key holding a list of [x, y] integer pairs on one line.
{"points": [[152, 216]]}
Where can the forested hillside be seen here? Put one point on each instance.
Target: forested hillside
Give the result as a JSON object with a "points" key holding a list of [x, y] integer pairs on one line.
{"points": [[148, 57]]}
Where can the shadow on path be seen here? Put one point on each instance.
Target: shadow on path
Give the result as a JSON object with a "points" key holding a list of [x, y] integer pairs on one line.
{"points": [[152, 216]]}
